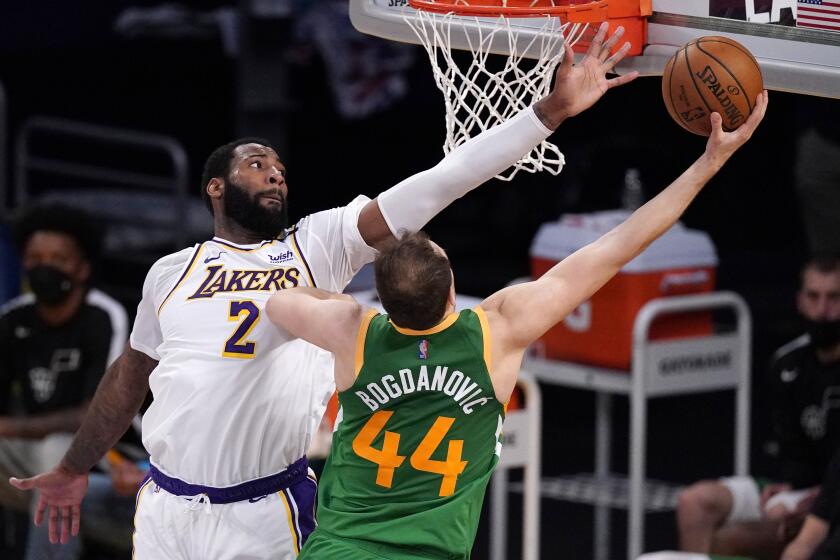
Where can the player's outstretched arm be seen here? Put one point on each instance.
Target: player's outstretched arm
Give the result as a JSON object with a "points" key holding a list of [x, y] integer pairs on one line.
{"points": [[410, 205], [326, 319], [520, 314], [118, 398]]}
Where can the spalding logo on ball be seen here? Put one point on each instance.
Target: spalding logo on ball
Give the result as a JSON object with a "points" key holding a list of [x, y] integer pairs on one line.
{"points": [[711, 74]]}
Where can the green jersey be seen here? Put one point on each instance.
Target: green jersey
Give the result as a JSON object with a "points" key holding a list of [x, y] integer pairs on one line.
{"points": [[417, 439]]}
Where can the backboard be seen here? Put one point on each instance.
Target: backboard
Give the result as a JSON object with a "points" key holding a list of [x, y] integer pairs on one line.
{"points": [[797, 42]]}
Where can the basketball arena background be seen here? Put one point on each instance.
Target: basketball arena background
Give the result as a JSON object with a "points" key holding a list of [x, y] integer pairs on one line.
{"points": [[355, 114]]}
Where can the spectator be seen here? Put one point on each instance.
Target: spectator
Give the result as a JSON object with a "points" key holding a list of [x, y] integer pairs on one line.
{"points": [[819, 539], [56, 342], [743, 515]]}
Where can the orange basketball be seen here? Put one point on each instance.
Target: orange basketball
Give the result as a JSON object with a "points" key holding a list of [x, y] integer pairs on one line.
{"points": [[711, 74]]}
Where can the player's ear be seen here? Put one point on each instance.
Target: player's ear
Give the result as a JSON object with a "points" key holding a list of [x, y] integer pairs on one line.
{"points": [[215, 188]]}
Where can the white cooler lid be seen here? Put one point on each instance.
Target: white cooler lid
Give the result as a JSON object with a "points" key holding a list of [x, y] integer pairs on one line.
{"points": [[679, 247]]}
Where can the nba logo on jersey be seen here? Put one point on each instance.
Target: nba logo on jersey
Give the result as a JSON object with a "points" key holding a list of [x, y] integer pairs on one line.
{"points": [[423, 349]]}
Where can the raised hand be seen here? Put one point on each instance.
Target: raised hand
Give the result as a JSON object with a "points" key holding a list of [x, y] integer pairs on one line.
{"points": [[60, 494], [721, 145], [578, 86]]}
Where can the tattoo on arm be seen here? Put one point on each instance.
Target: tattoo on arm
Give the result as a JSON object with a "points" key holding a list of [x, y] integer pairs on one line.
{"points": [[118, 398]]}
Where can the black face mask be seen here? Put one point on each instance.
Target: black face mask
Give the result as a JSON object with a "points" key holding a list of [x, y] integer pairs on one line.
{"points": [[824, 334], [50, 285]]}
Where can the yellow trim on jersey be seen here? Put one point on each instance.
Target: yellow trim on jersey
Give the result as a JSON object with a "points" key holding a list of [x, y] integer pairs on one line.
{"points": [[136, 509], [299, 254], [485, 335], [360, 341], [184, 276], [443, 325], [229, 245], [290, 517]]}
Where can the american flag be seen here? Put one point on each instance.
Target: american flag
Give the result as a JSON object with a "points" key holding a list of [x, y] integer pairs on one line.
{"points": [[818, 14]]}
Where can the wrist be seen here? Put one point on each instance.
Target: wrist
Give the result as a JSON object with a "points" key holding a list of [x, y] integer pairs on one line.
{"points": [[68, 468], [551, 117], [711, 163]]}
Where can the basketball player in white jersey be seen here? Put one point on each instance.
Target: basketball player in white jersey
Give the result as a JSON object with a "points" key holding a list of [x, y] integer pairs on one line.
{"points": [[235, 401]]}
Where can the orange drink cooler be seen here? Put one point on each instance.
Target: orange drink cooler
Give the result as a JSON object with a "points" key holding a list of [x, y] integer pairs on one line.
{"points": [[599, 332]]}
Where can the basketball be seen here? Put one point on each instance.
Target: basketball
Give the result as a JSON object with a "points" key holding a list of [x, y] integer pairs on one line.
{"points": [[711, 74]]}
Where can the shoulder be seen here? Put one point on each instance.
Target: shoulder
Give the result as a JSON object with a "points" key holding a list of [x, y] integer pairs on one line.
{"points": [[107, 307], [792, 352], [331, 217], [166, 270], [17, 305], [174, 260]]}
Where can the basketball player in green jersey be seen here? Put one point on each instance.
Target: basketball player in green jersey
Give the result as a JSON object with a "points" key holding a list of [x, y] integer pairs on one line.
{"points": [[422, 389]]}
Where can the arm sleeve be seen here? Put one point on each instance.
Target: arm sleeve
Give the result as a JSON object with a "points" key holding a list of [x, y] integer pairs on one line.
{"points": [[410, 204], [331, 246], [162, 277]]}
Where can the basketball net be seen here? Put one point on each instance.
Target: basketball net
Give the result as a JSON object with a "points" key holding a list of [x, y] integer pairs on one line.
{"points": [[478, 98]]}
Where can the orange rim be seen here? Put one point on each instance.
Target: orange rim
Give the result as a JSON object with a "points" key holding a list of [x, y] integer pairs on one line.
{"points": [[595, 10]]}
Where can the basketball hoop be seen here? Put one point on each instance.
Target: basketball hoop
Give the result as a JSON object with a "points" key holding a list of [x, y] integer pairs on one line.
{"points": [[478, 98]]}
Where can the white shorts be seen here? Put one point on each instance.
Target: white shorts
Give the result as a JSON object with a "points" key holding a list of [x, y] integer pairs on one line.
{"points": [[190, 528], [746, 499]]}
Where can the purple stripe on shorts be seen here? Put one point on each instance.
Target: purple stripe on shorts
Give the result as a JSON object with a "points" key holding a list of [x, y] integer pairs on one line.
{"points": [[252, 489], [304, 494]]}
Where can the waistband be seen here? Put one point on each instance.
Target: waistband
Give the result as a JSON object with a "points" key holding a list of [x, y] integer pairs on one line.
{"points": [[295, 473]]}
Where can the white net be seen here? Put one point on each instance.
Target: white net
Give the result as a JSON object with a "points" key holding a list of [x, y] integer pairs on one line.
{"points": [[477, 97]]}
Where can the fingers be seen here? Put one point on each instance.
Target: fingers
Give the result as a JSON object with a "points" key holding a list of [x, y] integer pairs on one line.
{"points": [[39, 512], [54, 521], [616, 58], [717, 123], [568, 60], [22, 483], [760, 108], [621, 80], [755, 118], [65, 525], [608, 46], [595, 46], [76, 515]]}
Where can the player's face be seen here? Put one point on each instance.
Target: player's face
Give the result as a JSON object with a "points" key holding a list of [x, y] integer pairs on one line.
{"points": [[54, 266], [255, 192], [819, 297], [56, 250]]}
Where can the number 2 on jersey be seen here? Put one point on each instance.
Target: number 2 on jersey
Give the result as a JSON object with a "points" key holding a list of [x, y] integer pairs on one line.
{"points": [[236, 346], [388, 459]]}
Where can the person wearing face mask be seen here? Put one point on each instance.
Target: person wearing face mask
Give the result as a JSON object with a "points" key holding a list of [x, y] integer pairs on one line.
{"points": [[753, 517], [56, 341]]}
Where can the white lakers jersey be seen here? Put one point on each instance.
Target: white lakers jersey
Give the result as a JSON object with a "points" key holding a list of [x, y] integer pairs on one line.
{"points": [[236, 399]]}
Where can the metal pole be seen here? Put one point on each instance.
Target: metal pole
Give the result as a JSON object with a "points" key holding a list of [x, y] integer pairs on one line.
{"points": [[533, 470], [498, 514], [742, 423], [638, 430], [603, 443]]}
